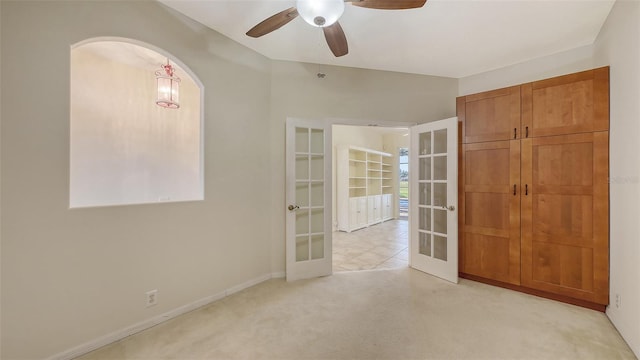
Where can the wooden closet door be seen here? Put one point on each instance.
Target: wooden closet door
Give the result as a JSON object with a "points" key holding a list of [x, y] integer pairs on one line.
{"points": [[490, 116], [490, 211], [565, 215], [569, 104]]}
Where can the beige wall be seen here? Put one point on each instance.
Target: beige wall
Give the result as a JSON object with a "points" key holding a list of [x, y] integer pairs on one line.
{"points": [[541, 68], [71, 276], [617, 45], [124, 148], [362, 136], [345, 93]]}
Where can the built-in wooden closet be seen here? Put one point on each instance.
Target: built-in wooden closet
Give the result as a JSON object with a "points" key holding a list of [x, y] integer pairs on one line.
{"points": [[534, 193]]}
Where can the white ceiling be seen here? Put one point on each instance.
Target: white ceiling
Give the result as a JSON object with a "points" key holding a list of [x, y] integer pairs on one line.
{"points": [[453, 38]]}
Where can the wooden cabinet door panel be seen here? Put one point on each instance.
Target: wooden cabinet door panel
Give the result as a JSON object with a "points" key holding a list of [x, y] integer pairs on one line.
{"points": [[490, 116], [490, 211], [565, 215], [489, 256], [566, 219], [575, 103], [564, 266]]}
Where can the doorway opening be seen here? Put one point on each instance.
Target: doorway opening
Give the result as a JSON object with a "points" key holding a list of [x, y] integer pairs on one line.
{"points": [[370, 197]]}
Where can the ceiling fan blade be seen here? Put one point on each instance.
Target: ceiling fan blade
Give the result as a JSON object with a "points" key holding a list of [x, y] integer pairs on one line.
{"points": [[336, 39], [273, 23], [389, 4]]}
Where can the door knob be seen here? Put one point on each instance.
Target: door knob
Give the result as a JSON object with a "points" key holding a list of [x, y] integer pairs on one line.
{"points": [[293, 208], [450, 207]]}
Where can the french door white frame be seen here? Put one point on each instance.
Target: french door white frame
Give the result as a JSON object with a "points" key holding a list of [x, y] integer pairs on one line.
{"points": [[321, 269], [303, 269], [446, 268]]}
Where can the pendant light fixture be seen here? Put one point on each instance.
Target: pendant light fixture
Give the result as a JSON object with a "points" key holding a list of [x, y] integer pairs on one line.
{"points": [[168, 87]]}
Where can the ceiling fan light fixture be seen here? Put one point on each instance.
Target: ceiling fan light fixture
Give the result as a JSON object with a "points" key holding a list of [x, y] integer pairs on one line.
{"points": [[320, 13]]}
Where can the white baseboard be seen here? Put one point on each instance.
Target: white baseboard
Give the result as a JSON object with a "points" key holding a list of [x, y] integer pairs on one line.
{"points": [[146, 324], [247, 284]]}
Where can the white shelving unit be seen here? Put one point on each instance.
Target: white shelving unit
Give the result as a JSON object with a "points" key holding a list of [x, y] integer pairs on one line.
{"points": [[364, 187]]}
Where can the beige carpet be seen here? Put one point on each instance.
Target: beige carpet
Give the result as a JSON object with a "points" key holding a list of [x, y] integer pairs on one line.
{"points": [[384, 314]]}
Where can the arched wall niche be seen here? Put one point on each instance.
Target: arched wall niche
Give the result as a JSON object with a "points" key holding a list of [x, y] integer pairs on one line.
{"points": [[124, 148]]}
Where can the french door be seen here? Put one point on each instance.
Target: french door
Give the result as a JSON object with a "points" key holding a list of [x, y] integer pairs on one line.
{"points": [[433, 199], [433, 213], [308, 198]]}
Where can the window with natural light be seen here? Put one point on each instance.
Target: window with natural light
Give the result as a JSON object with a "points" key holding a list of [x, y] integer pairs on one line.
{"points": [[403, 188]]}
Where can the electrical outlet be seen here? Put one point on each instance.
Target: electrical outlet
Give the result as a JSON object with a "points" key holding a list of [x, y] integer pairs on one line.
{"points": [[618, 301], [152, 297]]}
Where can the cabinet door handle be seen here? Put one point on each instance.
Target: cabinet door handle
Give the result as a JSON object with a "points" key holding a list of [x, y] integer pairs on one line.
{"points": [[526, 131], [514, 189], [526, 189], [515, 133]]}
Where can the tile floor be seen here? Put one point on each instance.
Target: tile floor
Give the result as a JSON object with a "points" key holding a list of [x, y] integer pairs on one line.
{"points": [[382, 246]]}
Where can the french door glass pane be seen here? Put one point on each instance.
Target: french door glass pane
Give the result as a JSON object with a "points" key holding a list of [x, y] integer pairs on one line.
{"points": [[302, 248], [424, 243], [439, 168], [440, 221], [425, 143], [440, 141], [317, 194], [425, 219], [424, 168], [440, 194], [317, 141], [302, 222], [317, 220], [425, 194], [440, 247], [317, 167], [302, 194], [302, 140], [302, 167], [317, 246]]}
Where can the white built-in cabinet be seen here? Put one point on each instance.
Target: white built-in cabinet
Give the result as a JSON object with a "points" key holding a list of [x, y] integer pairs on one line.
{"points": [[364, 187], [358, 212], [387, 206]]}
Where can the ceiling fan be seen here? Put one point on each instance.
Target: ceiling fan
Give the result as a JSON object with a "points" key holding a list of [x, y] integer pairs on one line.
{"points": [[325, 14]]}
